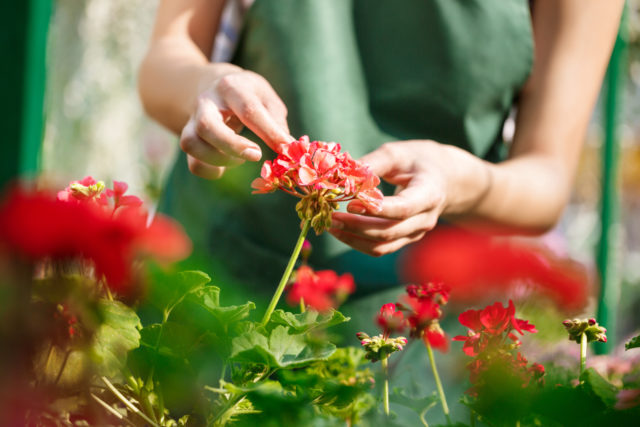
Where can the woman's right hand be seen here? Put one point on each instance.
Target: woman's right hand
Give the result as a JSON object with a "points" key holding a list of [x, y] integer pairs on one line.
{"points": [[236, 99]]}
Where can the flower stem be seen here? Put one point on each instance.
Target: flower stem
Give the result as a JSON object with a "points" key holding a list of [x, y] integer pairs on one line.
{"points": [[583, 352], [287, 273], [302, 307], [385, 394], [443, 399]]}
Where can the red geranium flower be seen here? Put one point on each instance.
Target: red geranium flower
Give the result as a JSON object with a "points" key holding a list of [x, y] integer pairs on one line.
{"points": [[436, 337], [437, 292], [35, 225], [390, 319], [321, 290], [488, 325], [478, 266], [322, 176]]}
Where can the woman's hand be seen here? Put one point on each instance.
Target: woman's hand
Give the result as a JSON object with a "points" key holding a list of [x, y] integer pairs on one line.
{"points": [[236, 99], [426, 175]]}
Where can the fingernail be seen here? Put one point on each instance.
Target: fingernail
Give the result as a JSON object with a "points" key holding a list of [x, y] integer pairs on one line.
{"points": [[336, 224], [251, 154]]}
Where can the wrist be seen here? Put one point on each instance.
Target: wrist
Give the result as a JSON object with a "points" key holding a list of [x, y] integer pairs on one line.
{"points": [[469, 180]]}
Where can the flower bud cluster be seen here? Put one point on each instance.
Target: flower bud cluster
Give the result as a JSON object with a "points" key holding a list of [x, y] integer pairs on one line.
{"points": [[589, 327], [380, 347]]}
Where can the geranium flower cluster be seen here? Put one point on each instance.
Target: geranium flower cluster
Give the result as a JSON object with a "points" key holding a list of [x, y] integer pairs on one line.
{"points": [[491, 341], [320, 290], [322, 176], [589, 327], [88, 190], [379, 347], [82, 223], [422, 303]]}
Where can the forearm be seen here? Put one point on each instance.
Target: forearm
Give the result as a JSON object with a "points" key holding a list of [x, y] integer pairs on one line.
{"points": [[525, 194], [172, 76]]}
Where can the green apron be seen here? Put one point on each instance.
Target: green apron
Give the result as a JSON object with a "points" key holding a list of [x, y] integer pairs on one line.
{"points": [[359, 72]]}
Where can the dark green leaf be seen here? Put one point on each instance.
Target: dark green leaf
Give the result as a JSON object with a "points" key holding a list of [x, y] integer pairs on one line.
{"points": [[279, 350], [595, 384], [632, 343], [168, 289], [169, 339], [310, 319], [118, 333]]}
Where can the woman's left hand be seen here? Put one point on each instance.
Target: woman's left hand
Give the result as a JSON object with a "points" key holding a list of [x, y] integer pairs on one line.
{"points": [[423, 172]]}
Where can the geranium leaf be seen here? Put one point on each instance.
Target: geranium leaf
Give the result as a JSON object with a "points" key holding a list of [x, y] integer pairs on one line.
{"points": [[632, 343], [168, 289], [595, 384], [169, 339], [117, 335], [310, 319], [279, 350]]}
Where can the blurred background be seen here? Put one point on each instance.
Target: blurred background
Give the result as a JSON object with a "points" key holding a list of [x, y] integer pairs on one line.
{"points": [[94, 124]]}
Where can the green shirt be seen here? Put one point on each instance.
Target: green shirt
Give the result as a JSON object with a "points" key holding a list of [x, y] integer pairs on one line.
{"points": [[361, 73]]}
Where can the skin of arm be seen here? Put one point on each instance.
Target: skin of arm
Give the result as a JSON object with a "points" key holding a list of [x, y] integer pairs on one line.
{"points": [[206, 103], [527, 192]]}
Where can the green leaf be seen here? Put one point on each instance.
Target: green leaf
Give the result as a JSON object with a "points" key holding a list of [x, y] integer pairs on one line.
{"points": [[279, 350], [310, 319], [168, 339], [594, 383], [208, 298], [632, 343], [168, 289], [116, 336]]}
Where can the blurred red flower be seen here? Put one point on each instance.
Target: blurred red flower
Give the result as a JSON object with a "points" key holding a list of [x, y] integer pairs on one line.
{"points": [[36, 225], [321, 290], [479, 266], [390, 319]]}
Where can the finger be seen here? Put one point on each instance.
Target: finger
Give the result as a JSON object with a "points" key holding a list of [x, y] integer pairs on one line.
{"points": [[381, 229], [417, 197], [384, 161], [277, 109], [234, 123], [204, 170], [196, 147], [375, 248], [256, 117], [210, 126]]}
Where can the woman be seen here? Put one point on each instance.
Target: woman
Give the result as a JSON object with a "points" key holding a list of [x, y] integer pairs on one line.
{"points": [[420, 91]]}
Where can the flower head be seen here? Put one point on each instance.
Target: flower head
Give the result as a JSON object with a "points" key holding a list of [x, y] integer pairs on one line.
{"points": [[488, 326], [88, 190], [380, 347], [390, 319], [589, 327], [321, 290], [438, 292], [322, 176], [36, 225]]}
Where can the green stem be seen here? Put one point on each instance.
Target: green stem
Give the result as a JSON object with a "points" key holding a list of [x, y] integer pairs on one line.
{"points": [[443, 399], [583, 352], [287, 273], [302, 307], [127, 402], [385, 394]]}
